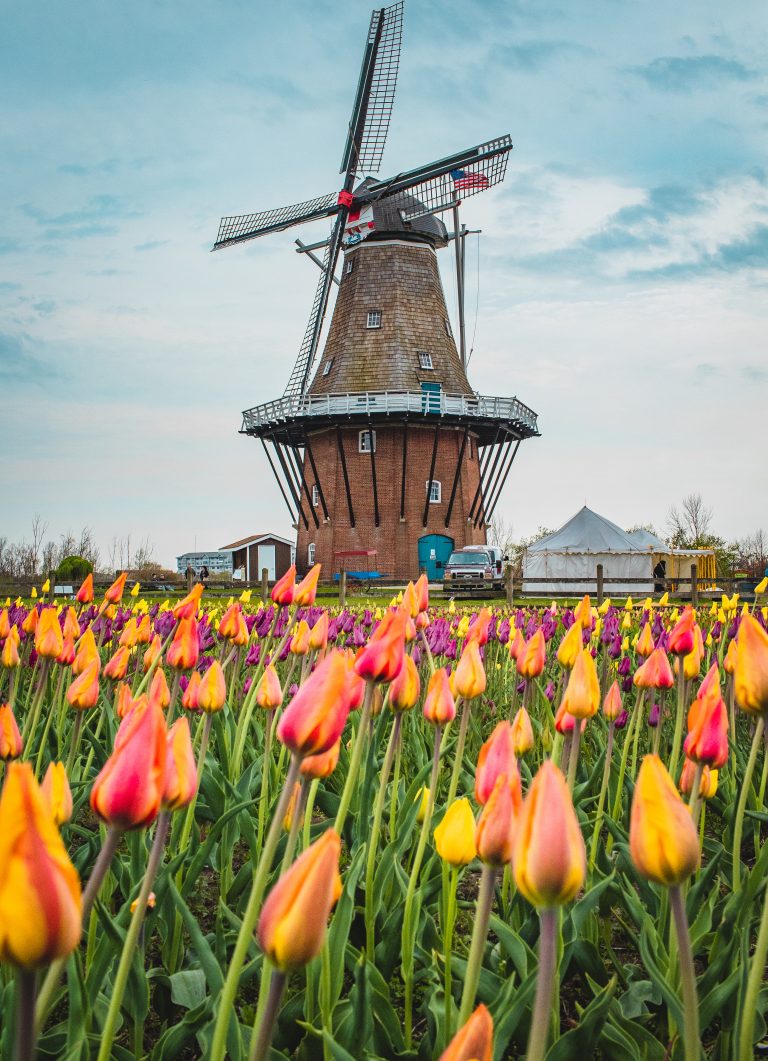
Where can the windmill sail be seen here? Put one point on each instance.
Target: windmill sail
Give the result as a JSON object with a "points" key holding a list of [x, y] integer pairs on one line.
{"points": [[248, 226]]}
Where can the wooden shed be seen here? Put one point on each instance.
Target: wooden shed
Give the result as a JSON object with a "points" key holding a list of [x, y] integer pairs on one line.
{"points": [[250, 555]]}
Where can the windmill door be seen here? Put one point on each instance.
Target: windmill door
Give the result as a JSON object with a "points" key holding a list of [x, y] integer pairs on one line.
{"points": [[431, 394], [434, 551]]}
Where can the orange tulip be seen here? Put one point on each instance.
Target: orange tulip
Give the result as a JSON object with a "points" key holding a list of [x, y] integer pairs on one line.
{"points": [[645, 643], [269, 695], [549, 857], [582, 613], [663, 841], [117, 667], [184, 651], [321, 765], [707, 739], [318, 635], [123, 700], [381, 659], [292, 808], [115, 592], [478, 630], [305, 592], [530, 662], [612, 705], [143, 631], [422, 592], [300, 641], [355, 684], [655, 673], [152, 653], [285, 587], [497, 757], [293, 920], [582, 694], [84, 691], [411, 601], [315, 718], [55, 788], [9, 657], [516, 645], [11, 744], [439, 707], [85, 593], [29, 625], [729, 663], [180, 767], [229, 625], [87, 653], [40, 900], [67, 655], [682, 638], [188, 607], [5, 624], [158, 689], [474, 1041], [707, 785], [49, 639], [129, 790], [71, 627], [189, 696], [405, 688], [750, 676], [569, 648], [469, 679], [497, 824], [212, 690], [522, 733]]}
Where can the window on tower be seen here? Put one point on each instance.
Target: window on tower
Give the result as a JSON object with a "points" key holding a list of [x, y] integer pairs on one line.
{"points": [[366, 439], [311, 554], [350, 266], [425, 359], [374, 318], [315, 496], [435, 491], [327, 366], [448, 331]]}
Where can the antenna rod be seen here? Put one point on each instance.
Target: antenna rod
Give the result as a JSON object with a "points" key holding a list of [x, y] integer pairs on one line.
{"points": [[459, 244]]}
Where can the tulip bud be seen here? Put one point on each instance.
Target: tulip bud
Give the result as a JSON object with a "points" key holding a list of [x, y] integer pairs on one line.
{"points": [[682, 638], [645, 643], [549, 856], [455, 835], [516, 645], [129, 789], [159, 691], [11, 744], [40, 900], [305, 592], [422, 592], [478, 630], [750, 676], [570, 647], [87, 653], [321, 765], [707, 739], [411, 601], [269, 695], [49, 639], [530, 662], [469, 679], [293, 804], [123, 700], [473, 1042], [293, 920], [285, 587], [318, 635], [152, 653], [117, 667], [582, 613], [212, 690], [115, 592], [405, 688], [180, 767], [9, 657], [55, 788], [84, 691], [5, 624], [522, 733], [612, 706], [655, 673], [422, 798], [29, 625], [381, 659], [188, 607], [439, 707], [663, 841], [85, 593], [582, 694], [497, 757], [315, 718], [497, 824], [184, 651], [230, 622], [67, 655], [300, 641], [707, 785]]}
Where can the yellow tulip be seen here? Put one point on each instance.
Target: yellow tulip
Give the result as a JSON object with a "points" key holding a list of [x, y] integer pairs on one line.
{"points": [[455, 835], [663, 841]]}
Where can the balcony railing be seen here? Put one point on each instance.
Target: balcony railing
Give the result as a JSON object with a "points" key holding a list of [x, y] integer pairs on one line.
{"points": [[385, 403]]}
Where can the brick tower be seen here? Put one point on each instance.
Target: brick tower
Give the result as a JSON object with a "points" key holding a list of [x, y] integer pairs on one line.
{"points": [[385, 456]]}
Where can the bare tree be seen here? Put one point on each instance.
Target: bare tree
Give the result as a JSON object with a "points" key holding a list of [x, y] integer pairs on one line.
{"points": [[87, 547], [5, 555], [142, 557], [690, 525], [39, 528], [501, 534], [751, 553], [50, 558]]}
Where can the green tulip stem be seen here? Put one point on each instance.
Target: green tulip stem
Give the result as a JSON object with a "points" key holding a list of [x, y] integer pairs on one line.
{"points": [[26, 1035], [573, 758], [461, 740], [156, 662], [226, 1009], [754, 984], [694, 798], [601, 798], [691, 1038], [132, 937], [407, 939], [265, 770], [746, 788], [350, 784], [395, 787], [679, 715], [450, 883], [635, 719], [30, 723], [479, 936], [308, 812], [262, 1036], [545, 982], [373, 842], [77, 729]]}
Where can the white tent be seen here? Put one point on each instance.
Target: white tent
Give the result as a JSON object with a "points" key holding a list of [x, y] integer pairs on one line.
{"points": [[574, 552]]}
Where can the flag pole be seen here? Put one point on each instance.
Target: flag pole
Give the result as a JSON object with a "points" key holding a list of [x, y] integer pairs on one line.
{"points": [[458, 237]]}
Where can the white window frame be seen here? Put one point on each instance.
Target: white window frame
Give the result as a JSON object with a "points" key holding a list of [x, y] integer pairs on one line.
{"points": [[374, 318], [315, 496], [437, 489], [362, 445], [350, 266], [311, 554], [448, 331], [425, 360], [327, 366]]}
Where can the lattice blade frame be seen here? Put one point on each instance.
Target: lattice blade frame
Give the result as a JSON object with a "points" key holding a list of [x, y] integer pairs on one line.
{"points": [[248, 226]]}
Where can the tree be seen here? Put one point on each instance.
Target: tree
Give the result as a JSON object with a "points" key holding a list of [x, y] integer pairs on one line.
{"points": [[39, 528], [751, 553], [689, 525]]}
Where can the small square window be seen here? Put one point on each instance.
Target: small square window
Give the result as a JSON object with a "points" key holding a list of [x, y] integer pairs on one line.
{"points": [[350, 266], [425, 359], [374, 319], [435, 491], [327, 366], [448, 331], [364, 441], [315, 497]]}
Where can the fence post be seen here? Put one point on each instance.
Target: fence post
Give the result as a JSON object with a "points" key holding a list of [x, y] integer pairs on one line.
{"points": [[600, 586], [343, 589], [694, 585], [509, 585], [265, 584]]}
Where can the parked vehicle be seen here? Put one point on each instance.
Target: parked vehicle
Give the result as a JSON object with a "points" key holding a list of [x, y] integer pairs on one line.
{"points": [[470, 568]]}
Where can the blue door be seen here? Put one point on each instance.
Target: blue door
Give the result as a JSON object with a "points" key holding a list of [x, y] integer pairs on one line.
{"points": [[431, 394], [434, 551]]}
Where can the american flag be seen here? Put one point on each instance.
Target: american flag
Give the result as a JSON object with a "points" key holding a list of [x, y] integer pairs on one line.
{"points": [[463, 181]]}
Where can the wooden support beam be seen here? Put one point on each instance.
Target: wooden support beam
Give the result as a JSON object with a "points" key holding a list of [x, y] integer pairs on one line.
{"points": [[311, 456], [372, 445], [343, 459], [495, 501], [457, 476], [279, 481], [289, 480], [479, 517], [483, 464], [405, 465], [431, 475], [304, 487]]}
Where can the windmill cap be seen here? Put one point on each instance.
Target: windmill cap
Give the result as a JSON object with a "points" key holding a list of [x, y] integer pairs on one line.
{"points": [[388, 220]]}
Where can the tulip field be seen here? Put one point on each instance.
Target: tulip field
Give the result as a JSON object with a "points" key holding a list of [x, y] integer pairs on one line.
{"points": [[411, 831]]}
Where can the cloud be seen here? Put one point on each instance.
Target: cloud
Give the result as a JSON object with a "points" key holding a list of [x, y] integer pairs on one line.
{"points": [[97, 209], [19, 365], [152, 245], [46, 308], [677, 74], [533, 55]]}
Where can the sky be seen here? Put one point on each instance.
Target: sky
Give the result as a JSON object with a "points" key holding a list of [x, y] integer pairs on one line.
{"points": [[618, 286]]}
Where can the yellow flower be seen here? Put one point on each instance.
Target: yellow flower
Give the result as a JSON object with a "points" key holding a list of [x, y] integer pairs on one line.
{"points": [[663, 840], [455, 835]]}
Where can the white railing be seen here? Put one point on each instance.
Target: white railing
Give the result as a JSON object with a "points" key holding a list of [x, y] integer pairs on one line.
{"points": [[385, 402]]}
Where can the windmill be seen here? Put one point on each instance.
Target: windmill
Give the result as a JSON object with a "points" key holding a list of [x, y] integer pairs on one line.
{"points": [[391, 372]]}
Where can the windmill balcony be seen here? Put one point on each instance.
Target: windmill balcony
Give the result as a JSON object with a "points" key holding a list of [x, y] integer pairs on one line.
{"points": [[315, 411]]}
